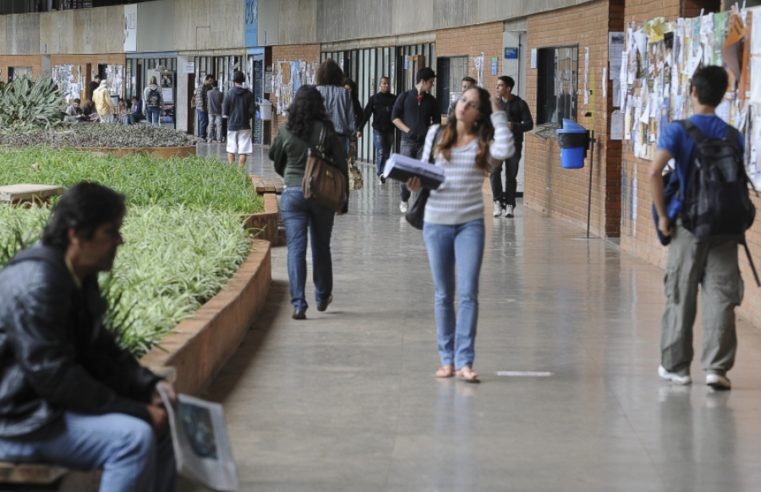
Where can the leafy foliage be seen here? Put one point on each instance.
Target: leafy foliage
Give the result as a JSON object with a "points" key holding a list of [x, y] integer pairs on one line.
{"points": [[88, 135], [193, 182], [26, 105]]}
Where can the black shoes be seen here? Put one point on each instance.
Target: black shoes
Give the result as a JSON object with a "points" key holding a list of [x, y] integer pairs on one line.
{"points": [[324, 304], [299, 314]]}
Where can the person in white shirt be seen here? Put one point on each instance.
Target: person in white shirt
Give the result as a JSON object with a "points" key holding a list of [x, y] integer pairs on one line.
{"points": [[475, 135]]}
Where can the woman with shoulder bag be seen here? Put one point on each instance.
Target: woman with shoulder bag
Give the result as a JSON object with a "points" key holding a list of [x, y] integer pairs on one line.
{"points": [[307, 122], [475, 134]]}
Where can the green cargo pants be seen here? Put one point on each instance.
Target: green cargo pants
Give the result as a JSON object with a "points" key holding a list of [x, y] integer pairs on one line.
{"points": [[713, 265]]}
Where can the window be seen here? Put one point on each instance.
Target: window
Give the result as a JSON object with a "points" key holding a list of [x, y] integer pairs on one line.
{"points": [[557, 84], [449, 74]]}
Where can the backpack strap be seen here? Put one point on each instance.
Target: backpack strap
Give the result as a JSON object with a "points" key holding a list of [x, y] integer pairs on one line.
{"points": [[692, 130], [436, 136]]}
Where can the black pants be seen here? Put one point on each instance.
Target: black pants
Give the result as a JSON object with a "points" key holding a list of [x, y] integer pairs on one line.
{"points": [[507, 196], [412, 149]]}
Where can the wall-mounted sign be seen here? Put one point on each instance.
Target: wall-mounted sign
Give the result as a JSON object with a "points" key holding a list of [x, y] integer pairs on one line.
{"points": [[251, 22], [511, 53], [494, 65], [130, 28]]}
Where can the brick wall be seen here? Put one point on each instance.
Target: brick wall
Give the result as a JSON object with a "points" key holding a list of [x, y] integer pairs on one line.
{"points": [[34, 61], [471, 42], [638, 236], [549, 188], [305, 52]]}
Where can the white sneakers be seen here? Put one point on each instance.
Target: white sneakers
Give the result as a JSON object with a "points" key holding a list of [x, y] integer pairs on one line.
{"points": [[497, 209], [403, 207], [674, 377], [509, 211], [718, 381], [714, 380]]}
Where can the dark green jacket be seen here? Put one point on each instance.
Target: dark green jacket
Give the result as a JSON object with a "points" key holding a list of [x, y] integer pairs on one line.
{"points": [[289, 154]]}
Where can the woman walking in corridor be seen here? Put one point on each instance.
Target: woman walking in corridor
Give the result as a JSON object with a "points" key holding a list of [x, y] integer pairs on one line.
{"points": [[475, 135], [308, 127]]}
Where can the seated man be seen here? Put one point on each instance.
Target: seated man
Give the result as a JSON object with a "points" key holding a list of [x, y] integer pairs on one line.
{"points": [[136, 111], [73, 109], [68, 394]]}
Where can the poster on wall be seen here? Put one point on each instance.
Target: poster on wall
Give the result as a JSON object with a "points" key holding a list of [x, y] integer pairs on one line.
{"points": [[130, 27], [67, 78]]}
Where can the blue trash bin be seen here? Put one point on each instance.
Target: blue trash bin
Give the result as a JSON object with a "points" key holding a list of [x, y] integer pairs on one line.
{"points": [[574, 141]]}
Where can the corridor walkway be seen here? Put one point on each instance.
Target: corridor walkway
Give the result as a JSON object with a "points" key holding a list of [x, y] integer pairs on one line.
{"points": [[347, 401]]}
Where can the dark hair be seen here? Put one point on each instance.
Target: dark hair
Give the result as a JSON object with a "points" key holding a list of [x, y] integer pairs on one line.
{"points": [[306, 108], [483, 129], [214, 83], [352, 85], [710, 83], [209, 76], [469, 80], [76, 100], [83, 207], [239, 77], [329, 73], [425, 73], [507, 80], [385, 77]]}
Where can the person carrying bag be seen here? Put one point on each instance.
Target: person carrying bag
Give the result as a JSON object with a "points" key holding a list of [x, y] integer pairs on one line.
{"points": [[312, 161]]}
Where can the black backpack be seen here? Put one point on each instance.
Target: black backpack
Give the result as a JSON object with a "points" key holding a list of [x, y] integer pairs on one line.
{"points": [[716, 202], [154, 97]]}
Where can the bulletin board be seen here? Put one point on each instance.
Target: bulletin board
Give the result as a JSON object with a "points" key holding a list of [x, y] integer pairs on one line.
{"points": [[69, 81], [289, 76], [658, 60]]}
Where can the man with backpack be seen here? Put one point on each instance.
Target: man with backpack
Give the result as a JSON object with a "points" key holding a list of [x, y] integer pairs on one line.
{"points": [[153, 101], [704, 222]]}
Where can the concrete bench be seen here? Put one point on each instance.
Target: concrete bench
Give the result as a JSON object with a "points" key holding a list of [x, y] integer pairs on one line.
{"points": [[30, 474], [263, 186], [22, 193]]}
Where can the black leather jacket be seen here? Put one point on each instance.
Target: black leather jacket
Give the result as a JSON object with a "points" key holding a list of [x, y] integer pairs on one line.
{"points": [[55, 354]]}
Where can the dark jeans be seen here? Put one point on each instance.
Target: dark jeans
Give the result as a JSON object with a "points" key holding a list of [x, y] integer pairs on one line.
{"points": [[382, 143], [298, 215], [506, 197], [203, 122], [412, 149]]}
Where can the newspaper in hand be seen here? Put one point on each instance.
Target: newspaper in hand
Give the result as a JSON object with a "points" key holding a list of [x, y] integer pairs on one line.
{"points": [[201, 448], [402, 168]]}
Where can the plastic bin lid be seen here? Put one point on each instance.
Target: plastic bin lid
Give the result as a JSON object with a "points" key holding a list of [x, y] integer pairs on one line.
{"points": [[579, 129], [570, 124]]}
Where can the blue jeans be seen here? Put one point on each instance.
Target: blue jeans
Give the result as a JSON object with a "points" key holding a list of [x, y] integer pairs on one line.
{"points": [[203, 122], [382, 143], [412, 149], [153, 115], [124, 447], [455, 249], [298, 215]]}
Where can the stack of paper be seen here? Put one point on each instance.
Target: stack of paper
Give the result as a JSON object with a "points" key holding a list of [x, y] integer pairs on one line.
{"points": [[402, 168]]}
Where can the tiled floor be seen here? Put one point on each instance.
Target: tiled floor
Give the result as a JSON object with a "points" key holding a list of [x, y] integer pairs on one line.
{"points": [[347, 401]]}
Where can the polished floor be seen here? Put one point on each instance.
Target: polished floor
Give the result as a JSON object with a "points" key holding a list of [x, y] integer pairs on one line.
{"points": [[567, 348]]}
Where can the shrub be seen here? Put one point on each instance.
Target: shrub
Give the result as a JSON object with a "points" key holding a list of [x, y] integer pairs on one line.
{"points": [[26, 105], [86, 135]]}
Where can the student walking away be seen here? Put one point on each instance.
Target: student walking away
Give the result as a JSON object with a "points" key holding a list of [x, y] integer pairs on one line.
{"points": [[215, 112], [308, 127], [337, 100], [453, 227], [705, 222], [355, 176], [153, 102], [518, 121], [200, 102], [413, 113], [465, 84], [379, 108], [69, 395], [238, 107], [103, 104]]}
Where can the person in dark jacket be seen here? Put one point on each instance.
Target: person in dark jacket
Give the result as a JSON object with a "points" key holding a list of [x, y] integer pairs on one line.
{"points": [[214, 108], [519, 121], [238, 107], [414, 111], [68, 394], [379, 107], [337, 100], [307, 125]]}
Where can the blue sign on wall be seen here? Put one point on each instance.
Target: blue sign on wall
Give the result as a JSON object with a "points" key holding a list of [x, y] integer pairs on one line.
{"points": [[251, 22], [511, 53]]}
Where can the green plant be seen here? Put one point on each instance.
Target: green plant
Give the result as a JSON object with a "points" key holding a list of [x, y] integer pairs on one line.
{"points": [[81, 135], [27, 104], [19, 228], [194, 182]]}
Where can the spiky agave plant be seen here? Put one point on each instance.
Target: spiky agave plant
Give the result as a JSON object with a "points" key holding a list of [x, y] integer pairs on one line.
{"points": [[26, 104]]}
